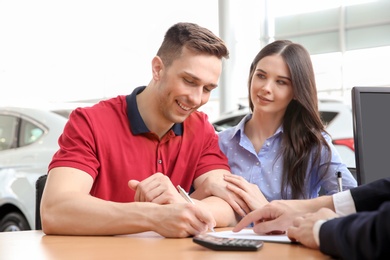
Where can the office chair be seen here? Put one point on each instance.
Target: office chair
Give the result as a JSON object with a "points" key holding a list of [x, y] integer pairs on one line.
{"points": [[39, 186]]}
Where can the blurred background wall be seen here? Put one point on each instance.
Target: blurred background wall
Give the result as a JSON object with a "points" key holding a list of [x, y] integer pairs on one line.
{"points": [[52, 50]]}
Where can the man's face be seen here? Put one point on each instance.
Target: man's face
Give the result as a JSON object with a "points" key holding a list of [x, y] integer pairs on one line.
{"points": [[186, 84]]}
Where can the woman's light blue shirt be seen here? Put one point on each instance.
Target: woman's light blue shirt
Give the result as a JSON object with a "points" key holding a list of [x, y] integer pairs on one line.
{"points": [[265, 168]]}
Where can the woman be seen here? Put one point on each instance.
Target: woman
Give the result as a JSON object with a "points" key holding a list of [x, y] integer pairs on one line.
{"points": [[281, 150]]}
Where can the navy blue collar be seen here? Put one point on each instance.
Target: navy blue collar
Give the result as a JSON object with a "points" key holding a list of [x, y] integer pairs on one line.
{"points": [[137, 124]]}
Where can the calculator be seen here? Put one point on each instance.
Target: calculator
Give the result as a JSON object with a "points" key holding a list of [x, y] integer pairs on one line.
{"points": [[228, 244]]}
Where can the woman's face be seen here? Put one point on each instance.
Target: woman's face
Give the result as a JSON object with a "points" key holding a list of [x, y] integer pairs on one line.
{"points": [[271, 87]]}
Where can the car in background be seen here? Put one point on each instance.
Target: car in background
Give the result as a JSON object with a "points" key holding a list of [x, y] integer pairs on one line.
{"points": [[336, 115], [28, 140]]}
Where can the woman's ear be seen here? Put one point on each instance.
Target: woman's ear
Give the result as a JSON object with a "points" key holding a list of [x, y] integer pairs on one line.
{"points": [[157, 67]]}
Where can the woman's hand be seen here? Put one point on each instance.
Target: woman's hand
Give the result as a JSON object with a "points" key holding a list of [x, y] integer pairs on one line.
{"points": [[247, 192], [213, 184]]}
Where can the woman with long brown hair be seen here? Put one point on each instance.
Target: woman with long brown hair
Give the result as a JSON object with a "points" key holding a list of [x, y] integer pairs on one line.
{"points": [[281, 149]]}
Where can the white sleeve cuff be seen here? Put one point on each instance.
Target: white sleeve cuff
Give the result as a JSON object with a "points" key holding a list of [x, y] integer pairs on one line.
{"points": [[343, 203], [316, 230]]}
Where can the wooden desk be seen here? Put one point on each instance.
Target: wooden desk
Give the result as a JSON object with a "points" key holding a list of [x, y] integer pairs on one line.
{"points": [[147, 245]]}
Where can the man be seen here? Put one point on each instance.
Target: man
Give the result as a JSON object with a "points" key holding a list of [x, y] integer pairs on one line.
{"points": [[120, 161], [362, 233]]}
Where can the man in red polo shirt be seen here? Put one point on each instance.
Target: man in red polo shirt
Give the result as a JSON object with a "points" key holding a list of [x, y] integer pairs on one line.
{"points": [[120, 160]]}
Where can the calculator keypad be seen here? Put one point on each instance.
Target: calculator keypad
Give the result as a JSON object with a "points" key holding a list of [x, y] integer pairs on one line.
{"points": [[232, 244]]}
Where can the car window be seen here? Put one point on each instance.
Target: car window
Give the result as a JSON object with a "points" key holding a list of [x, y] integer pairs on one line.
{"points": [[8, 131], [16, 132], [29, 133], [228, 122], [327, 116]]}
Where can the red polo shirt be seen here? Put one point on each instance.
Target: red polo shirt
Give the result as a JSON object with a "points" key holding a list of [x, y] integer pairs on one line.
{"points": [[110, 142]]}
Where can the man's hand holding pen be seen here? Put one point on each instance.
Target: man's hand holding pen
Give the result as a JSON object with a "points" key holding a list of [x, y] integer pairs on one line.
{"points": [[180, 219], [185, 195], [190, 218]]}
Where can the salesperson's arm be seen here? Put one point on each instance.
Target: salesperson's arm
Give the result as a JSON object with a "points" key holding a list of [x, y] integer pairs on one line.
{"points": [[363, 235]]}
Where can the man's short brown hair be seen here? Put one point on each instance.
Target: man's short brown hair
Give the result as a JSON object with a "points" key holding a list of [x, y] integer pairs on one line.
{"points": [[194, 37]]}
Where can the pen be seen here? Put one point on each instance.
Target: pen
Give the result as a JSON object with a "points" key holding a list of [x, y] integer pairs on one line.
{"points": [[185, 195], [339, 181]]}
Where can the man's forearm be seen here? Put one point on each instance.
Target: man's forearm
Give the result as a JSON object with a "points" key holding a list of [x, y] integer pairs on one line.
{"points": [[223, 213]]}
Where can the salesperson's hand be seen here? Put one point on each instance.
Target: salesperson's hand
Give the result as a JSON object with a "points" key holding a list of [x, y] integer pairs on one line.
{"points": [[302, 229], [275, 217]]}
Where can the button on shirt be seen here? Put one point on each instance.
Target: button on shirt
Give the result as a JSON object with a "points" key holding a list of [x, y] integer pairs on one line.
{"points": [[265, 168]]}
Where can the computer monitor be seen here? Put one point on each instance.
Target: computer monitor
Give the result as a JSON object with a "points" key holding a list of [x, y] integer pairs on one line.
{"points": [[371, 127]]}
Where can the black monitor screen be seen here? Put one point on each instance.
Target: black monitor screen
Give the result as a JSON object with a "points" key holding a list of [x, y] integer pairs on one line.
{"points": [[371, 126]]}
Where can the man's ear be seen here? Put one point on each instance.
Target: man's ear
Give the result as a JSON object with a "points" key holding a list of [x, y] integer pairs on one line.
{"points": [[157, 67]]}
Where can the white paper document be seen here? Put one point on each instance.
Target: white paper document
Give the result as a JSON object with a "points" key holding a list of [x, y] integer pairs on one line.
{"points": [[249, 234]]}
